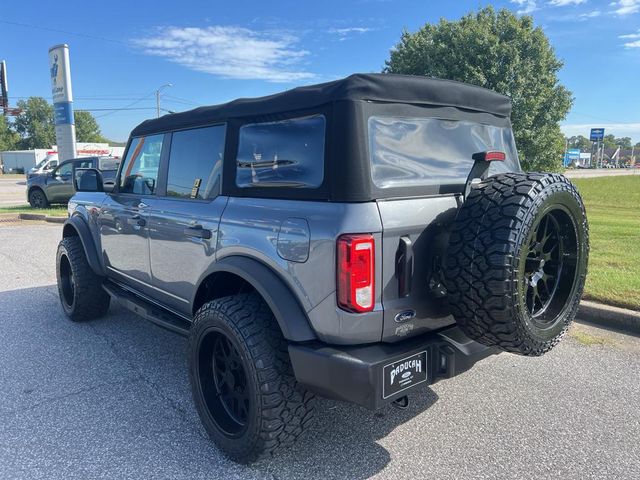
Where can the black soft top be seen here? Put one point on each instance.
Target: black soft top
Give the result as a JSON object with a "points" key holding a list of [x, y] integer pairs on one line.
{"points": [[375, 87]]}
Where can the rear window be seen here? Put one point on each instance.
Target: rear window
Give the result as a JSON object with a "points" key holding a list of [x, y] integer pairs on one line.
{"points": [[433, 151], [288, 153]]}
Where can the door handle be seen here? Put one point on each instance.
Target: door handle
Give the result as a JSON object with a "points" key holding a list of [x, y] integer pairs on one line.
{"points": [[136, 221], [142, 205], [404, 266], [197, 231]]}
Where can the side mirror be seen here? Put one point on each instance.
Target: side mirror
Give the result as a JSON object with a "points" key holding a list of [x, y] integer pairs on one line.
{"points": [[88, 180]]}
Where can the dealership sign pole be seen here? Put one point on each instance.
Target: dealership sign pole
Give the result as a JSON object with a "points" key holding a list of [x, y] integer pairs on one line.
{"points": [[62, 101]]}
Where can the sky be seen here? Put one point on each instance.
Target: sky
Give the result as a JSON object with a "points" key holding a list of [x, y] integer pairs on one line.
{"points": [[215, 51]]}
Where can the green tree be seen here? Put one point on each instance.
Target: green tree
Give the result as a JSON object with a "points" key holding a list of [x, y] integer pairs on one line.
{"points": [[579, 141], [35, 125], [609, 141], [87, 129], [505, 53], [623, 142], [8, 138]]}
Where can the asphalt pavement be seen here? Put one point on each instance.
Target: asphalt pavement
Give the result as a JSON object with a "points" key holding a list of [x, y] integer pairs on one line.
{"points": [[111, 399], [13, 190]]}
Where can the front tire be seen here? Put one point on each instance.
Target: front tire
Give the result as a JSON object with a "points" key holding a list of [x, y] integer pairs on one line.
{"points": [[37, 199], [80, 289], [241, 378]]}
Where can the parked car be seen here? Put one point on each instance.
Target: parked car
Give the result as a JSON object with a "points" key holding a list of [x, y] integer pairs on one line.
{"points": [[44, 166], [56, 186], [356, 240]]}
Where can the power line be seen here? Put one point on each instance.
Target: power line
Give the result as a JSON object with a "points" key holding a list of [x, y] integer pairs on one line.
{"points": [[66, 32], [111, 109]]}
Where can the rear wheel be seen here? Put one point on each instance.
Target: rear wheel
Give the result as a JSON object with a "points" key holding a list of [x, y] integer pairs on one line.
{"points": [[517, 261], [241, 378], [37, 199], [80, 289]]}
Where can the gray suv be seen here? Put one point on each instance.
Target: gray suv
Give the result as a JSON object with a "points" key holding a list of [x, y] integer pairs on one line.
{"points": [[357, 240], [56, 186]]}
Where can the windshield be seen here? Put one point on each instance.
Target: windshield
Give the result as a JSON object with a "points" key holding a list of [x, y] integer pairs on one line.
{"points": [[40, 164], [407, 151]]}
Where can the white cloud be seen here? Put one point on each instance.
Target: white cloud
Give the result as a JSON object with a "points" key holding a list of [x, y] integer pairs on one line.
{"points": [[562, 3], [344, 33], [635, 44], [592, 14], [618, 129], [631, 35], [626, 7], [229, 52], [526, 6]]}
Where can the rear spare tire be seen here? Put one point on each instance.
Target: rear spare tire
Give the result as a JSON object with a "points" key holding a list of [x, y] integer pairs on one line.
{"points": [[517, 261]]}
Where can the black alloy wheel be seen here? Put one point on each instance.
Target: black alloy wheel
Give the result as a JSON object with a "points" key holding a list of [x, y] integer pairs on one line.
{"points": [[67, 281], [224, 383], [37, 199], [549, 267]]}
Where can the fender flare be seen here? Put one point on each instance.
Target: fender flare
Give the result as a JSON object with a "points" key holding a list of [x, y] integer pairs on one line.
{"points": [[84, 233], [291, 317]]}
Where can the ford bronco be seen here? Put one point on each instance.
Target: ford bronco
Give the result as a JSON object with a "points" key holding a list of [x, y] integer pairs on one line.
{"points": [[356, 240]]}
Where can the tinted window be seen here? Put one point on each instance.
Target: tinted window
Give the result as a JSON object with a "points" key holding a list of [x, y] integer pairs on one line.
{"points": [[288, 153], [108, 163], [140, 170], [433, 151], [65, 169], [195, 163], [84, 164]]}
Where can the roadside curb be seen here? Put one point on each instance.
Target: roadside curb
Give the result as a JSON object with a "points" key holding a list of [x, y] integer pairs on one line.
{"points": [[41, 217], [607, 316]]}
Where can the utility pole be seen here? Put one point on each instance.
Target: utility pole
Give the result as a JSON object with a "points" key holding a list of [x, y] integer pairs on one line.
{"points": [[158, 97]]}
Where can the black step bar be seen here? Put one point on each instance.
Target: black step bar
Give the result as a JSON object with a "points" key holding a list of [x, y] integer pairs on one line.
{"points": [[148, 310]]}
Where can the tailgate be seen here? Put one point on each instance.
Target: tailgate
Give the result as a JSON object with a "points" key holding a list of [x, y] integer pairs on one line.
{"points": [[414, 240]]}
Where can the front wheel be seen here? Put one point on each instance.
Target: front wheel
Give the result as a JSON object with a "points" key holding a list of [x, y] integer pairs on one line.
{"points": [[80, 289], [37, 199], [242, 381]]}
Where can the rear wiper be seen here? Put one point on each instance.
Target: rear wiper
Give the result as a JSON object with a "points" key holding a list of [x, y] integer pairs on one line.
{"points": [[277, 184], [265, 163]]}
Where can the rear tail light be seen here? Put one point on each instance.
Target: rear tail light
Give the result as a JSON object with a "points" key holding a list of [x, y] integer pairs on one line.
{"points": [[356, 273]]}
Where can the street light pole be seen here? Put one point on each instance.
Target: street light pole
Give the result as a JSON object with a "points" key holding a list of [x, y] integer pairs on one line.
{"points": [[158, 97]]}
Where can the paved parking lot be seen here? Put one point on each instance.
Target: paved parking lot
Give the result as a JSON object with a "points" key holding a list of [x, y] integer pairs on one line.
{"points": [[110, 399], [12, 190]]}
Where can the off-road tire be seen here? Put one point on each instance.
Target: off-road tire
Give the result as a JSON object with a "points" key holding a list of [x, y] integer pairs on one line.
{"points": [[37, 199], [279, 409], [86, 299], [493, 243]]}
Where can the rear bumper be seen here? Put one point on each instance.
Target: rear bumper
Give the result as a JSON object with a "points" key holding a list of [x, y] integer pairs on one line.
{"points": [[355, 373]]}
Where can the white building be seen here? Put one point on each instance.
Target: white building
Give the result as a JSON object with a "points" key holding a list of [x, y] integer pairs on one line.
{"points": [[12, 160]]}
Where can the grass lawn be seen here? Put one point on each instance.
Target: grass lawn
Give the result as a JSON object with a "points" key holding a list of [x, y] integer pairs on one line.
{"points": [[613, 211], [57, 211]]}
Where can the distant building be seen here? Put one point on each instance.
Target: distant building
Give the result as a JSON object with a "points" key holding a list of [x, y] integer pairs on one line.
{"points": [[22, 160]]}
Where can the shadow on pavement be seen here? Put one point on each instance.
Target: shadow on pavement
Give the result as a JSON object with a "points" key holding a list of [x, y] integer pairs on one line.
{"points": [[111, 397]]}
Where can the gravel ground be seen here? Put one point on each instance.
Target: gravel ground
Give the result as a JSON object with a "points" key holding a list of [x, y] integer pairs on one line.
{"points": [[110, 399]]}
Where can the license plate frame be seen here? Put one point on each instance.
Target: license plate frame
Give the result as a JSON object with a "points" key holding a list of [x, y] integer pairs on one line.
{"points": [[394, 374]]}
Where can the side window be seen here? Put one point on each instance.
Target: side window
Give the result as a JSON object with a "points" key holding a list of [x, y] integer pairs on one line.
{"points": [[84, 164], [139, 173], [288, 153], [195, 163], [64, 170]]}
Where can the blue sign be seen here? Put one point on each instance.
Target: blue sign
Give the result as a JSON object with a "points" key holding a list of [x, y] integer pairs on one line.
{"points": [[63, 113], [596, 134]]}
